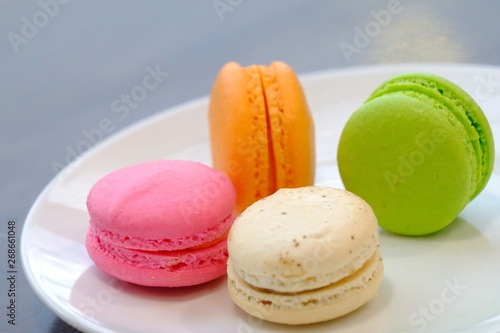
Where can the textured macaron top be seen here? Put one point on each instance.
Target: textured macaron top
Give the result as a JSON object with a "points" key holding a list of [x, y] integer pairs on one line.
{"points": [[162, 205], [302, 239], [461, 111]]}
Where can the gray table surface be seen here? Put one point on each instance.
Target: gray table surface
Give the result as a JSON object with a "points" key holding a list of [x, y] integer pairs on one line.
{"points": [[63, 63]]}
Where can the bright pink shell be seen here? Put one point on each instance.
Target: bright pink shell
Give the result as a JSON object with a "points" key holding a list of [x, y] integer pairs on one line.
{"points": [[167, 219], [162, 205]]}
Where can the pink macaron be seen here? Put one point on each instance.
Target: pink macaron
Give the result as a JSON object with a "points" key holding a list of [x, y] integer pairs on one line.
{"points": [[161, 223]]}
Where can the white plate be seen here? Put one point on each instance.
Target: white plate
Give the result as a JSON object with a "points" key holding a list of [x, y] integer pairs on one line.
{"points": [[447, 282]]}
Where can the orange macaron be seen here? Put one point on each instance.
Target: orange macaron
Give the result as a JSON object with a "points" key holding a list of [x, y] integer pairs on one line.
{"points": [[261, 130]]}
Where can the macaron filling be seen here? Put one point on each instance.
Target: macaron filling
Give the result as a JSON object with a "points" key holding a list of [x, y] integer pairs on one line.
{"points": [[173, 261], [344, 288], [165, 244], [464, 115]]}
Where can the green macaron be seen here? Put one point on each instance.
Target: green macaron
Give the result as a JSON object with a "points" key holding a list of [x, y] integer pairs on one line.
{"points": [[418, 151]]}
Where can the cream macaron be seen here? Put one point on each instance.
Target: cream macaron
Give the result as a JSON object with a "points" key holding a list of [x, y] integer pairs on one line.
{"points": [[304, 255]]}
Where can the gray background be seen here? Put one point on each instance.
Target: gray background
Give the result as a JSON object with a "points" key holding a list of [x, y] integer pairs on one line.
{"points": [[64, 63]]}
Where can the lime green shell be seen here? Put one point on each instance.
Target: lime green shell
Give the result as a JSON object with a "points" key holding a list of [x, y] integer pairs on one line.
{"points": [[418, 151]]}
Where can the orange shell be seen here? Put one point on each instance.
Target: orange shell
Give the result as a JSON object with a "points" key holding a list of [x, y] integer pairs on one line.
{"points": [[261, 130]]}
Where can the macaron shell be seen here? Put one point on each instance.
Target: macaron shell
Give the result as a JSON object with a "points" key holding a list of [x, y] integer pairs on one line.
{"points": [[163, 201], [261, 130], [412, 167], [302, 239], [238, 131]]}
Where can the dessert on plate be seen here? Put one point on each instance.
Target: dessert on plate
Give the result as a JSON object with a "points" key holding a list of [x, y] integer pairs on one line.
{"points": [[304, 255], [418, 151], [261, 130], [161, 223]]}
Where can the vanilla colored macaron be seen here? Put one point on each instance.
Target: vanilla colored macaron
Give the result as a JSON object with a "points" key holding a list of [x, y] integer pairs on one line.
{"points": [[304, 255]]}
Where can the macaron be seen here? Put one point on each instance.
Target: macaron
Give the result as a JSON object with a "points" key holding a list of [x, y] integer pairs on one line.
{"points": [[304, 255], [261, 130], [161, 223], [418, 151]]}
